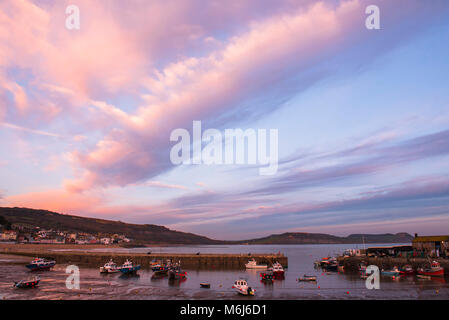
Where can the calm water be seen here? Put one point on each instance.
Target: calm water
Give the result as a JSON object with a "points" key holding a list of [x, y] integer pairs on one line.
{"points": [[301, 258]]}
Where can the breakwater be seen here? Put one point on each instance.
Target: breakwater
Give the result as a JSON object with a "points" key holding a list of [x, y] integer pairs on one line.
{"points": [[351, 264], [188, 261]]}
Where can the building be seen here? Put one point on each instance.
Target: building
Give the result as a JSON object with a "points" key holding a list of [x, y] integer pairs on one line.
{"points": [[431, 246], [8, 235]]}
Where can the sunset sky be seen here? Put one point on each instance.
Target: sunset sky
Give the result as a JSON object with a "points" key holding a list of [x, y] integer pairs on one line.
{"points": [[362, 115]]}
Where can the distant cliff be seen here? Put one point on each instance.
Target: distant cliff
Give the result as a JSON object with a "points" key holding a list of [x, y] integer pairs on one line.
{"points": [[317, 238]]}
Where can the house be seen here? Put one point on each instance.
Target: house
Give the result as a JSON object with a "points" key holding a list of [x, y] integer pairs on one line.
{"points": [[8, 235], [431, 246]]}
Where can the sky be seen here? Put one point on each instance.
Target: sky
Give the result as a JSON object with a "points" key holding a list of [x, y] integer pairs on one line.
{"points": [[362, 114]]}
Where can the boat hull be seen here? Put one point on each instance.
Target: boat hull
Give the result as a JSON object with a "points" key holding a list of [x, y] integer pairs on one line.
{"points": [[27, 284], [437, 273], [390, 273], [35, 267], [129, 270]]}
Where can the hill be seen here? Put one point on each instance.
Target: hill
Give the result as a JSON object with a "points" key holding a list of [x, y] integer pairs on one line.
{"points": [[319, 238], [148, 233]]}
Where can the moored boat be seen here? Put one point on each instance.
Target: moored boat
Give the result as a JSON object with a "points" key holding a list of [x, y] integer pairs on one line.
{"points": [[41, 264], [109, 267], [252, 264], [27, 283], [205, 285], [435, 270], [307, 278], [176, 273], [277, 270], [392, 273], [267, 276], [241, 287], [406, 270], [129, 267]]}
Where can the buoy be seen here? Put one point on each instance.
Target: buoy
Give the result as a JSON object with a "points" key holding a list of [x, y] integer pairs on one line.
{"points": [[319, 287], [347, 292]]}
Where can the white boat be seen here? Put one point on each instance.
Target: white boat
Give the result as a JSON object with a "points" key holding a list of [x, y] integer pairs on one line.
{"points": [[241, 287], [252, 264], [278, 270], [109, 267]]}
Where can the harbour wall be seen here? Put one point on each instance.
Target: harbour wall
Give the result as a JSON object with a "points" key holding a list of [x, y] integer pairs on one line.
{"points": [[188, 261], [351, 264]]}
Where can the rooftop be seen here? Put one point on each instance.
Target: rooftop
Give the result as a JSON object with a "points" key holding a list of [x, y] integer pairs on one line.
{"points": [[431, 239]]}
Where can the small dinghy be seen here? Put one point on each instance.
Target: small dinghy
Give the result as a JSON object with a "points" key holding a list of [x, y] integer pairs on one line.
{"points": [[27, 283], [307, 278], [205, 285]]}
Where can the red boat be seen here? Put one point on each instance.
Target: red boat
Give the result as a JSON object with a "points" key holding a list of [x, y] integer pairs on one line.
{"points": [[406, 270], [435, 270], [278, 270]]}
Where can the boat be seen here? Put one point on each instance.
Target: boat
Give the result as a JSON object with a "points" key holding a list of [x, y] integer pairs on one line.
{"points": [[241, 287], [109, 267], [307, 278], [435, 270], [324, 261], [27, 283], [176, 273], [41, 264], [252, 264], [205, 285], [340, 268], [406, 270], [331, 264], [128, 267], [278, 270], [391, 273], [267, 276]]}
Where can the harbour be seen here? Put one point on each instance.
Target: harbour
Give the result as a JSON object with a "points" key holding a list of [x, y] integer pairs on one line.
{"points": [[144, 286]]}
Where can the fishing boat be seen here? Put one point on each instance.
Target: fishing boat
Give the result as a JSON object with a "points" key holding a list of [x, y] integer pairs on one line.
{"points": [[176, 273], [128, 267], [435, 270], [27, 283], [267, 276], [109, 267], [205, 285], [241, 287], [340, 268], [406, 270], [393, 272], [41, 264], [277, 270], [252, 264], [331, 264], [307, 278], [324, 261]]}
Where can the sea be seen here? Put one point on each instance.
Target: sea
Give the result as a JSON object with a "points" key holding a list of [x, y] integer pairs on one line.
{"points": [[329, 285]]}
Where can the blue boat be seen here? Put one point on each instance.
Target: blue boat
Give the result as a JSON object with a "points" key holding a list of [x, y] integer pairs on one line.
{"points": [[391, 273], [40, 264], [128, 267]]}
